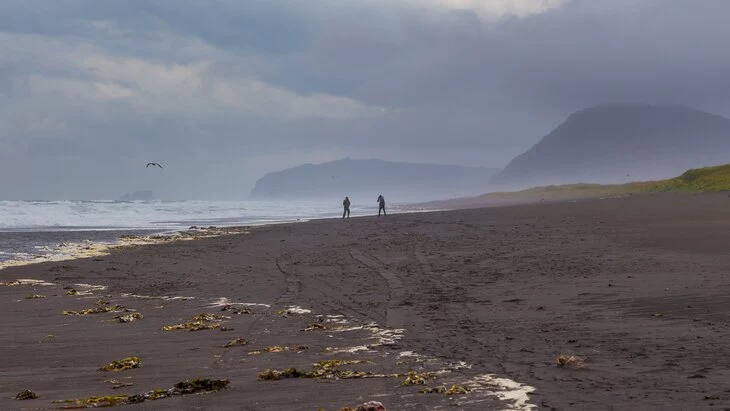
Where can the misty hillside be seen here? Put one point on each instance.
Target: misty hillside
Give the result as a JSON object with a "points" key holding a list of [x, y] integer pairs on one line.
{"points": [[698, 180], [621, 142], [363, 180]]}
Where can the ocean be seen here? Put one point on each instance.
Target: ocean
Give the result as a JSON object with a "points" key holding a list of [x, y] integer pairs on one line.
{"points": [[35, 229]]}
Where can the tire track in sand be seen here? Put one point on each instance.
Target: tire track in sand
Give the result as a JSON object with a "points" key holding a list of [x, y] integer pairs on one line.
{"points": [[395, 313], [287, 297], [293, 286], [437, 299], [441, 300]]}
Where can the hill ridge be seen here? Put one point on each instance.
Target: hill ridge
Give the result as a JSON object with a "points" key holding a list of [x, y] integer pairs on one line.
{"points": [[616, 142], [370, 177]]}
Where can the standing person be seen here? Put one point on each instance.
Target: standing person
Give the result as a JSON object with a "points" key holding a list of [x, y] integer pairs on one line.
{"points": [[381, 202], [346, 205]]}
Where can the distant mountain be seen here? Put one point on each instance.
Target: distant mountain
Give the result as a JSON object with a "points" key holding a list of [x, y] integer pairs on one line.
{"points": [[363, 180], [145, 195], [621, 142]]}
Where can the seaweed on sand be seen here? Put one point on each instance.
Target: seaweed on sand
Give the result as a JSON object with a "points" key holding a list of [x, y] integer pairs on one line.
{"points": [[26, 395], [235, 310], [278, 375], [24, 282], [278, 348], [100, 307], [199, 385], [368, 406], [236, 342], [121, 365], [209, 317], [570, 361], [315, 326], [95, 402], [328, 364], [274, 349], [192, 326], [329, 369], [414, 378], [455, 389], [98, 310], [128, 318], [199, 322], [118, 384]]}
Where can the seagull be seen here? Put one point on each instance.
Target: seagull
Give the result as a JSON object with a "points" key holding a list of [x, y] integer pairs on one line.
{"points": [[153, 164]]}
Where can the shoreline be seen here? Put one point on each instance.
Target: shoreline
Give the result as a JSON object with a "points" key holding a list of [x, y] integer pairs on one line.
{"points": [[69, 251], [89, 249], [506, 290]]}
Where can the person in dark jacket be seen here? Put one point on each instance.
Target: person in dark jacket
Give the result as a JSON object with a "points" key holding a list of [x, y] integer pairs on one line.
{"points": [[381, 207], [346, 205]]}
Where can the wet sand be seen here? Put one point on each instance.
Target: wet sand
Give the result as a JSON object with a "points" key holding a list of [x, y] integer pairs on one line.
{"points": [[483, 299]]}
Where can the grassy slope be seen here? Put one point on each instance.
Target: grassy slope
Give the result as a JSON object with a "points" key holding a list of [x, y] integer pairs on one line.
{"points": [[708, 179]]}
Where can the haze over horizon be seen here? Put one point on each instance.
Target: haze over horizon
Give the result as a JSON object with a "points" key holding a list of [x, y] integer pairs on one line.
{"points": [[222, 92]]}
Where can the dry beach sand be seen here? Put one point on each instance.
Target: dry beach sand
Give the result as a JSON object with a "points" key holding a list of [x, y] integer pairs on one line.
{"points": [[484, 299]]}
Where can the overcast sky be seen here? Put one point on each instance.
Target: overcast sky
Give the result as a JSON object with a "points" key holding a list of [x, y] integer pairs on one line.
{"points": [[222, 91]]}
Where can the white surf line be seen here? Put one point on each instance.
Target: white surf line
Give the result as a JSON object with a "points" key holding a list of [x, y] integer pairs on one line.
{"points": [[293, 309], [156, 297], [384, 336], [89, 249], [213, 303], [334, 319], [87, 290], [507, 390], [388, 336], [350, 350], [26, 281], [64, 252], [92, 287], [223, 301]]}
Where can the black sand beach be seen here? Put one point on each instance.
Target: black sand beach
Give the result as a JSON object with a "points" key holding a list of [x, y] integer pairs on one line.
{"points": [[635, 288]]}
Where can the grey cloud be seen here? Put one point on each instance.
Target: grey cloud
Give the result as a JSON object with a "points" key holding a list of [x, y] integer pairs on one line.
{"points": [[456, 88]]}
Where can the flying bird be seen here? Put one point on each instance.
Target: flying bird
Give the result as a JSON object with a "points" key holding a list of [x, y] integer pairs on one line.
{"points": [[153, 164]]}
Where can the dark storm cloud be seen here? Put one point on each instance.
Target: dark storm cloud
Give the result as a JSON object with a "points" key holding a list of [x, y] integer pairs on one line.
{"points": [[580, 54], [242, 88]]}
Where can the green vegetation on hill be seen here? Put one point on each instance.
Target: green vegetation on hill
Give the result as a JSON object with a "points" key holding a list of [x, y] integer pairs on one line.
{"points": [[707, 179], [574, 191], [699, 180], [570, 192]]}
